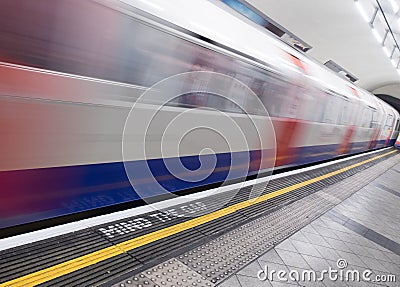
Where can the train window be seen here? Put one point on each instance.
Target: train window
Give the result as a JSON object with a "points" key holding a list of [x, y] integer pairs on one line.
{"points": [[389, 122], [374, 122], [274, 96], [286, 99], [316, 109], [332, 109], [397, 125], [345, 112], [353, 107], [292, 102], [357, 114], [367, 118], [312, 104]]}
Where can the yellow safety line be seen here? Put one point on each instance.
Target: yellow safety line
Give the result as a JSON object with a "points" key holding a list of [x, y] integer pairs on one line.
{"points": [[70, 266]]}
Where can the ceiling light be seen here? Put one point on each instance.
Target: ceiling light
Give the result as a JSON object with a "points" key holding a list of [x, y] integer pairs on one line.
{"points": [[376, 34], [395, 6], [362, 11], [386, 51], [149, 3]]}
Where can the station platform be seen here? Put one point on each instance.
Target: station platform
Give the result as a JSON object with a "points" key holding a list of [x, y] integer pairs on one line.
{"points": [[341, 216]]}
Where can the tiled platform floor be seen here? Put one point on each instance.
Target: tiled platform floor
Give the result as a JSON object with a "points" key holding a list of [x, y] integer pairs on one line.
{"points": [[364, 230]]}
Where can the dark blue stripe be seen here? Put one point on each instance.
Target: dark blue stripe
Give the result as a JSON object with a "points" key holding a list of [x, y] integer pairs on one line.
{"points": [[37, 194]]}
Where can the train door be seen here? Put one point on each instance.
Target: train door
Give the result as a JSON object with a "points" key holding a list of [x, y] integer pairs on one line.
{"points": [[365, 127], [397, 143], [383, 135], [289, 127], [378, 125], [347, 121], [397, 127], [375, 130], [388, 128]]}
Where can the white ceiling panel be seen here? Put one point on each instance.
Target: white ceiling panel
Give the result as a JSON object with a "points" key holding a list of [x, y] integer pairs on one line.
{"points": [[338, 31]]}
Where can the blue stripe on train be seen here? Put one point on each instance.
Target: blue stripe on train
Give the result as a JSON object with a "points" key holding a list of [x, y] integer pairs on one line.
{"points": [[31, 195], [392, 142], [310, 154], [37, 194]]}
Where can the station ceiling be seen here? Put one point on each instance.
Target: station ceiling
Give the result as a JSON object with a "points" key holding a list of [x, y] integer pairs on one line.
{"points": [[339, 31]]}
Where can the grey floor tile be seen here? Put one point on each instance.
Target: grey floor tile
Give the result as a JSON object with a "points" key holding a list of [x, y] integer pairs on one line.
{"points": [[301, 276], [316, 263], [347, 237], [286, 245], [360, 284], [320, 244], [359, 250], [312, 284], [246, 281], [306, 248], [336, 214], [309, 279], [328, 253], [349, 270], [334, 226], [366, 242], [326, 232], [345, 232], [318, 222], [250, 270], [316, 239], [292, 259], [391, 267], [331, 283], [283, 284], [338, 244], [394, 257], [299, 236], [332, 263], [269, 267], [351, 258], [309, 229], [375, 284], [231, 282], [378, 254], [373, 263], [325, 219], [271, 256]]}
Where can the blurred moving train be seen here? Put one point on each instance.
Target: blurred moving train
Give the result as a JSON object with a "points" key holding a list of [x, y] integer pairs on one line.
{"points": [[71, 70]]}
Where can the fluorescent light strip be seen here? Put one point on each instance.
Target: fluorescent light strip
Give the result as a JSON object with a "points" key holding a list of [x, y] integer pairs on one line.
{"points": [[376, 34], [387, 52], [395, 6], [362, 11], [378, 37]]}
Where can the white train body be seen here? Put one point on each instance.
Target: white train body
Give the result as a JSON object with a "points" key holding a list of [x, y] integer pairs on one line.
{"points": [[67, 91]]}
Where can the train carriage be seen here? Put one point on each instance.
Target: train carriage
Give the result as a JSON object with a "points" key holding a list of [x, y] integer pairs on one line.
{"points": [[69, 80]]}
